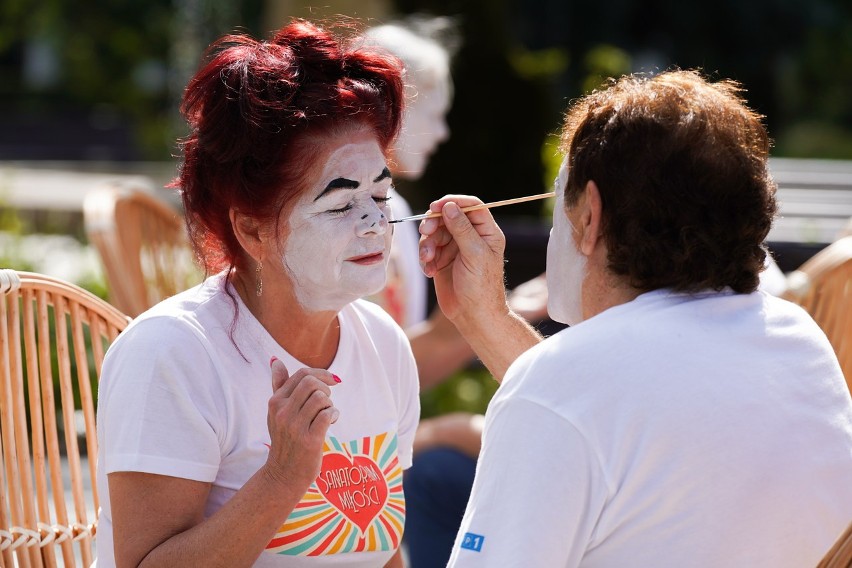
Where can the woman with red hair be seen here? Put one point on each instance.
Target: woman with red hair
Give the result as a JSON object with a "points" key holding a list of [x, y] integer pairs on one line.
{"points": [[264, 417]]}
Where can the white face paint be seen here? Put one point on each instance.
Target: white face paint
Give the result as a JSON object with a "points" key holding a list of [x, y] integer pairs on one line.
{"points": [[566, 265], [424, 127], [336, 250]]}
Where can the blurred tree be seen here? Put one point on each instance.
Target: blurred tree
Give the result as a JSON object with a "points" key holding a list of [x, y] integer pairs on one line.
{"points": [[83, 80], [100, 80], [815, 88], [794, 57]]}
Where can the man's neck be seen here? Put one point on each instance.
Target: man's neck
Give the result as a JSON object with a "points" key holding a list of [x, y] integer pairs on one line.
{"points": [[603, 290]]}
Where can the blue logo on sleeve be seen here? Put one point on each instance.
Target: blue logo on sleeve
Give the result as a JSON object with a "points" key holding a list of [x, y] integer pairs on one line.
{"points": [[472, 542]]}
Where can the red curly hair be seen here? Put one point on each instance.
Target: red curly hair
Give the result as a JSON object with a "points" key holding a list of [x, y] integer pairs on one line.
{"points": [[254, 111]]}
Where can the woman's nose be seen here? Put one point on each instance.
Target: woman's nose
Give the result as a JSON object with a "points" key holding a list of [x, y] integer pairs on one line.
{"points": [[373, 220]]}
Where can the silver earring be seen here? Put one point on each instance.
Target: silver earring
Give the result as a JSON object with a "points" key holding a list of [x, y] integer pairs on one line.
{"points": [[258, 279]]}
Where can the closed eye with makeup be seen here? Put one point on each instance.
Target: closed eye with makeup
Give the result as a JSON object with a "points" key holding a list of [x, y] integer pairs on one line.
{"points": [[377, 191]]}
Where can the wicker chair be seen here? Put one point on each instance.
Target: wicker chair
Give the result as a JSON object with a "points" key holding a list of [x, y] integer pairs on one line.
{"points": [[840, 555], [142, 244], [823, 286], [53, 339]]}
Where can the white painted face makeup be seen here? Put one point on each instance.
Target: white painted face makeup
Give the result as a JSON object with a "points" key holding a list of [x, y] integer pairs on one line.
{"points": [[338, 240], [566, 265]]}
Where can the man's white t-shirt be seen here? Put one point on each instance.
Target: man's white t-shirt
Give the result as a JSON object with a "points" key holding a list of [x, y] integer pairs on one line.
{"points": [[178, 398], [699, 430]]}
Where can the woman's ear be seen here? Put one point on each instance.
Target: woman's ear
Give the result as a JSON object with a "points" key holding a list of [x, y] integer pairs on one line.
{"points": [[590, 218], [248, 232]]}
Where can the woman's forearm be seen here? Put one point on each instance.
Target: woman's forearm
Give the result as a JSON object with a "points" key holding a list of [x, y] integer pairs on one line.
{"points": [[234, 536]]}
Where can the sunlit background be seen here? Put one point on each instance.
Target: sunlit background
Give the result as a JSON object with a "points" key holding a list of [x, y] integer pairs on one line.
{"points": [[100, 81], [90, 90]]}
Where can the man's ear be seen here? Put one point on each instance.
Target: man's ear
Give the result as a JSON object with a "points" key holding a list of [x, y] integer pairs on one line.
{"points": [[248, 233], [590, 218]]}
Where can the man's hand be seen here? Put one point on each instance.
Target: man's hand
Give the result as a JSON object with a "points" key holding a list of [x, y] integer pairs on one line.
{"points": [[463, 253]]}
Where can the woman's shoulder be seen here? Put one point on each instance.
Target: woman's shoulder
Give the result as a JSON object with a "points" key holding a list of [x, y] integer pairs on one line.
{"points": [[186, 314], [372, 319]]}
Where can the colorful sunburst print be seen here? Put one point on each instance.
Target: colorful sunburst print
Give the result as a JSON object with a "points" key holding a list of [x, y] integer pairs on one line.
{"points": [[355, 505]]}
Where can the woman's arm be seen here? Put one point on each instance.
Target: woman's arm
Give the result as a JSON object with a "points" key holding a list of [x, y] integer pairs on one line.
{"points": [[461, 431], [159, 520], [396, 560]]}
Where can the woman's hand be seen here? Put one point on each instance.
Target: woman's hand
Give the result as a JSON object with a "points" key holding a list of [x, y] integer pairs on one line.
{"points": [[300, 412]]}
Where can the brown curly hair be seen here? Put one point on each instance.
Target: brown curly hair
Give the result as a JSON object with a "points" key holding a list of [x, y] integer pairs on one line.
{"points": [[681, 166]]}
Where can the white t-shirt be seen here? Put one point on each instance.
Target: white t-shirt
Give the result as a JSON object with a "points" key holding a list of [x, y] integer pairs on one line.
{"points": [[404, 295], [177, 398], [700, 430]]}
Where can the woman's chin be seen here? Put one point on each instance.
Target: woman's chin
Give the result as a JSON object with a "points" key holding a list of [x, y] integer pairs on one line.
{"points": [[376, 287]]}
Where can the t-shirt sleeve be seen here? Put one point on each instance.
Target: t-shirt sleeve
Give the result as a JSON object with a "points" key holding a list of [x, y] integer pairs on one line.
{"points": [[537, 494], [157, 410]]}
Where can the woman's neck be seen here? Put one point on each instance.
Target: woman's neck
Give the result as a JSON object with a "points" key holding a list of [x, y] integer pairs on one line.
{"points": [[310, 337]]}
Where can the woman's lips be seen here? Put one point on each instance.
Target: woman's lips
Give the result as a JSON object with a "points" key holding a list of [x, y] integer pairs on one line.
{"points": [[368, 259]]}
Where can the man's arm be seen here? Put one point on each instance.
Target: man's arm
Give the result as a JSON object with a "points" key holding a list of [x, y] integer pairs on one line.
{"points": [[534, 502], [463, 253]]}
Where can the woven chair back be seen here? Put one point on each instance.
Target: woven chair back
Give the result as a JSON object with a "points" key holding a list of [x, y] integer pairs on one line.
{"points": [[823, 286], [143, 247], [53, 338]]}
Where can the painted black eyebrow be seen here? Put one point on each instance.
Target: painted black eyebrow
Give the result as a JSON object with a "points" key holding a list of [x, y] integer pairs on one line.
{"points": [[343, 183], [338, 183], [384, 175]]}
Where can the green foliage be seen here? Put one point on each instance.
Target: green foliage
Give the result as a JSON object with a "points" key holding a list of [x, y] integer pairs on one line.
{"points": [[16, 250], [468, 390], [541, 63], [602, 62], [815, 139], [10, 253], [11, 231], [118, 62]]}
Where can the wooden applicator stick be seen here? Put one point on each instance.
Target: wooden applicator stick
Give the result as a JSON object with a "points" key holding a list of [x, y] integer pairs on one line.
{"points": [[430, 214]]}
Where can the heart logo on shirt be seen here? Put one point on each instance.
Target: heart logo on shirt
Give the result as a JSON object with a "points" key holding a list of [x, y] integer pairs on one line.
{"points": [[354, 485]]}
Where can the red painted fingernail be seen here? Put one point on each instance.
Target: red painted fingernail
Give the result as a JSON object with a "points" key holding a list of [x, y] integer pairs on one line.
{"points": [[336, 378], [272, 360]]}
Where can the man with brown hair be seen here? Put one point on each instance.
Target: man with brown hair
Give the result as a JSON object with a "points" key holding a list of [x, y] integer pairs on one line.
{"points": [[685, 419]]}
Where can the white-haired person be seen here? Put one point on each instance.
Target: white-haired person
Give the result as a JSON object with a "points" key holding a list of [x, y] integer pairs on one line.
{"points": [[446, 447]]}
